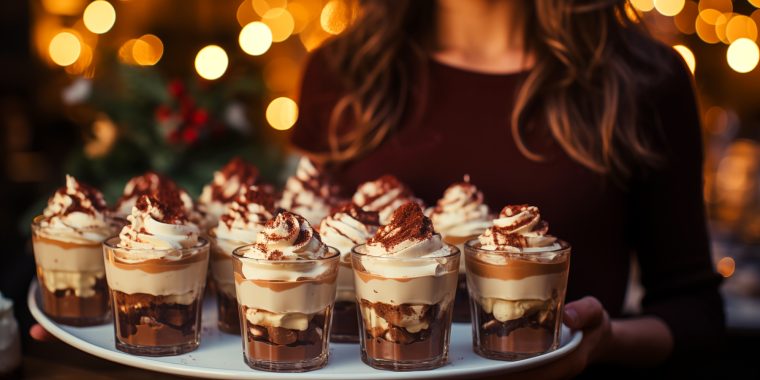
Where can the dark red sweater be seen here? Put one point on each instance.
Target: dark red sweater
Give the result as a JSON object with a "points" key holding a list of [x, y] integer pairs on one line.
{"points": [[659, 217]]}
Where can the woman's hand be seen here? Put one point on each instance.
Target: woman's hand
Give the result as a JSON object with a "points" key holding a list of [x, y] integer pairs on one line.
{"points": [[588, 315], [39, 334]]}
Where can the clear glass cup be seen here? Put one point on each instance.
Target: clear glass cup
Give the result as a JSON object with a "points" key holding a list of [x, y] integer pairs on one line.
{"points": [[157, 302], [285, 310], [72, 279], [462, 300], [405, 309], [345, 325], [516, 299], [223, 283]]}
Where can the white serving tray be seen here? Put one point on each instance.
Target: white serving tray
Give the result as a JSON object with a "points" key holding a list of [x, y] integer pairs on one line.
{"points": [[220, 355]]}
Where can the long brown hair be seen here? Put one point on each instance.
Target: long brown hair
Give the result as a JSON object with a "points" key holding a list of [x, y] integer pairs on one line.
{"points": [[592, 61]]}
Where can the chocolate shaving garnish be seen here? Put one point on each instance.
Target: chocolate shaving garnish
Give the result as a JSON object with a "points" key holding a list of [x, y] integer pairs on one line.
{"points": [[407, 223]]}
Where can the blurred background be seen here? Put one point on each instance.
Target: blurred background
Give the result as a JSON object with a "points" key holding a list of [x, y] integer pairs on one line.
{"points": [[105, 90]]}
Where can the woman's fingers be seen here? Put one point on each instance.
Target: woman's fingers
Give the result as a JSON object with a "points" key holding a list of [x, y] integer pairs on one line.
{"points": [[40, 334], [584, 313]]}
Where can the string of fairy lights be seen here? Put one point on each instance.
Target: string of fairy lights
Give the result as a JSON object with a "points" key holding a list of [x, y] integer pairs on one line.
{"points": [[713, 22], [263, 23]]}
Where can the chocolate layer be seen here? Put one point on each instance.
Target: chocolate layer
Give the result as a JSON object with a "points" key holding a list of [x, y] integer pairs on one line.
{"points": [[531, 335], [147, 320], [396, 343], [278, 344], [64, 306], [227, 309], [345, 325]]}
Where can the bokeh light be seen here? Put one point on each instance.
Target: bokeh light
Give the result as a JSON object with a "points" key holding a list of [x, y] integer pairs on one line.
{"points": [[740, 26], [280, 22], [743, 55], [668, 7], [126, 52], [720, 6], [64, 48], [63, 7], [255, 38], [211, 62], [684, 20], [263, 6], [643, 5], [705, 26], [147, 50], [82, 64], [301, 16], [688, 56], [245, 13], [335, 17], [313, 36], [726, 266], [282, 113], [99, 16]]}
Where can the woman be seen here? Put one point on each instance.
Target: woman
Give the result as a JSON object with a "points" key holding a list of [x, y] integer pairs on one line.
{"points": [[564, 104]]}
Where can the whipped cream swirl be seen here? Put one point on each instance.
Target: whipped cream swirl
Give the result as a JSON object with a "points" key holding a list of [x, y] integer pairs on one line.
{"points": [[76, 213], [158, 228], [461, 212], [409, 234], [309, 193], [152, 183], [246, 215], [287, 236], [383, 195], [519, 228], [227, 184], [348, 226]]}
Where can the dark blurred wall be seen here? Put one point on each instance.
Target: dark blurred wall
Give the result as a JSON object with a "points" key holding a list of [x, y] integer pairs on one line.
{"points": [[31, 144]]}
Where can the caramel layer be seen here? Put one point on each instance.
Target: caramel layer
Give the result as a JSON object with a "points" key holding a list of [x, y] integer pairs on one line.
{"points": [[515, 269], [367, 277], [281, 286], [160, 265], [458, 240], [63, 244]]}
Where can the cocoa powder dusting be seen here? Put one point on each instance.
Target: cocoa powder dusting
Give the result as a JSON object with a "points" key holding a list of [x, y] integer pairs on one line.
{"points": [[366, 217], [407, 223], [171, 211], [247, 174]]}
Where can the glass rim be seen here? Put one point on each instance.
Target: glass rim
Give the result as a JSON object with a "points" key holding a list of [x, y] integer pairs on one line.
{"points": [[562, 248], [203, 243], [333, 254], [454, 253]]}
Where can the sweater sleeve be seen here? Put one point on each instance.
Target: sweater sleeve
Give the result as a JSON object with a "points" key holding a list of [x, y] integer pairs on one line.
{"points": [[320, 91], [669, 231]]}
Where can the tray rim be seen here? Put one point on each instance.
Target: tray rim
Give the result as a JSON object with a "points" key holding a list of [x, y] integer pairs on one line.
{"points": [[500, 367]]}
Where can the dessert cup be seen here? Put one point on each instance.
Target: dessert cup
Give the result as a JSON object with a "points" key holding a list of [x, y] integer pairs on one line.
{"points": [[285, 310], [223, 283], [157, 302], [345, 326], [405, 322], [516, 299], [462, 298], [72, 279]]}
